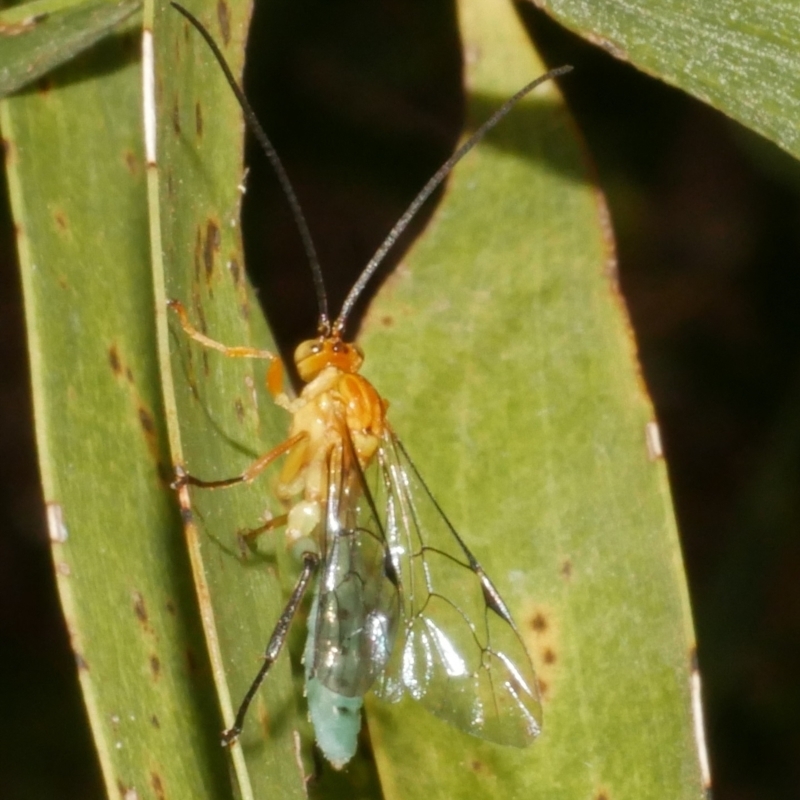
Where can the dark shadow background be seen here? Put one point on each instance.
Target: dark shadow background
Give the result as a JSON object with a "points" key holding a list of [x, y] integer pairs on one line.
{"points": [[363, 101]]}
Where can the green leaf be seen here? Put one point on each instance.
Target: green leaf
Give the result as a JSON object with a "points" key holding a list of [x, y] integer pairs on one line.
{"points": [[503, 348], [740, 57], [504, 351], [219, 414], [77, 183], [39, 36]]}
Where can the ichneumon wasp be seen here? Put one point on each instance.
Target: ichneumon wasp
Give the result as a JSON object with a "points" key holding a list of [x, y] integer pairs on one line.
{"points": [[401, 605]]}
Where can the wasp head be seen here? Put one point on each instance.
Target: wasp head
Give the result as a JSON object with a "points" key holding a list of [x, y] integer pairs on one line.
{"points": [[313, 355]]}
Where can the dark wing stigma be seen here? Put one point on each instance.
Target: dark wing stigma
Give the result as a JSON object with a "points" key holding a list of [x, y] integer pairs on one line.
{"points": [[457, 650]]}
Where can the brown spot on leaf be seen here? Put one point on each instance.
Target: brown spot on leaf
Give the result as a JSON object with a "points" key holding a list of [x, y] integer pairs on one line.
{"points": [[60, 219], [539, 623], [236, 271], [154, 721], [198, 119], [549, 657], [239, 410], [146, 421], [602, 796], [566, 569], [158, 786], [387, 321], [148, 425], [139, 608], [171, 607], [211, 246], [129, 375], [543, 687], [155, 666], [113, 359], [131, 162], [176, 116], [198, 250], [224, 17]]}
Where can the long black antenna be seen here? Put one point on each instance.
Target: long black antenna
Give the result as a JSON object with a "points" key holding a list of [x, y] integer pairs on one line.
{"points": [[277, 165], [428, 190]]}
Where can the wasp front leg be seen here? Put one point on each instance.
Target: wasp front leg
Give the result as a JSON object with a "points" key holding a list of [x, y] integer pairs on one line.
{"points": [[274, 377], [274, 380]]}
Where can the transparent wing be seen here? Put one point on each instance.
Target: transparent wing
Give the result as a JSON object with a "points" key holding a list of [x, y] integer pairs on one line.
{"points": [[358, 605], [457, 650]]}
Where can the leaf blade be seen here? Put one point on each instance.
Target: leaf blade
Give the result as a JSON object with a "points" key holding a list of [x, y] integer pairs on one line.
{"points": [[79, 202], [531, 421], [740, 58], [218, 417], [40, 36]]}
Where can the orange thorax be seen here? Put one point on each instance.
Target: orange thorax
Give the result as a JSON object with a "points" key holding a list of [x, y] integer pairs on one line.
{"points": [[335, 403]]}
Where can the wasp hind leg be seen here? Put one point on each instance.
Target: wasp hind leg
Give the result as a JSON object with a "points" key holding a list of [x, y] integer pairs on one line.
{"points": [[275, 644], [246, 537]]}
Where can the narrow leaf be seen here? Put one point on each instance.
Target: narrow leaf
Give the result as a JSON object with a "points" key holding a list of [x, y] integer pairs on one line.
{"points": [[77, 181], [37, 37], [504, 350], [740, 57], [220, 416]]}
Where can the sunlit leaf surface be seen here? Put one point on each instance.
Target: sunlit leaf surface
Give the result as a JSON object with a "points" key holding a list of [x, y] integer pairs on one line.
{"points": [[740, 57]]}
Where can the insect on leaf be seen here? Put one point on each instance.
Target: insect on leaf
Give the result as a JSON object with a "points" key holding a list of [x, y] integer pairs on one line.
{"points": [[502, 347]]}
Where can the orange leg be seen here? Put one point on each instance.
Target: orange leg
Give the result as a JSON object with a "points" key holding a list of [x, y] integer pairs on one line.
{"points": [[247, 538], [249, 475], [274, 376], [253, 533], [231, 352]]}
